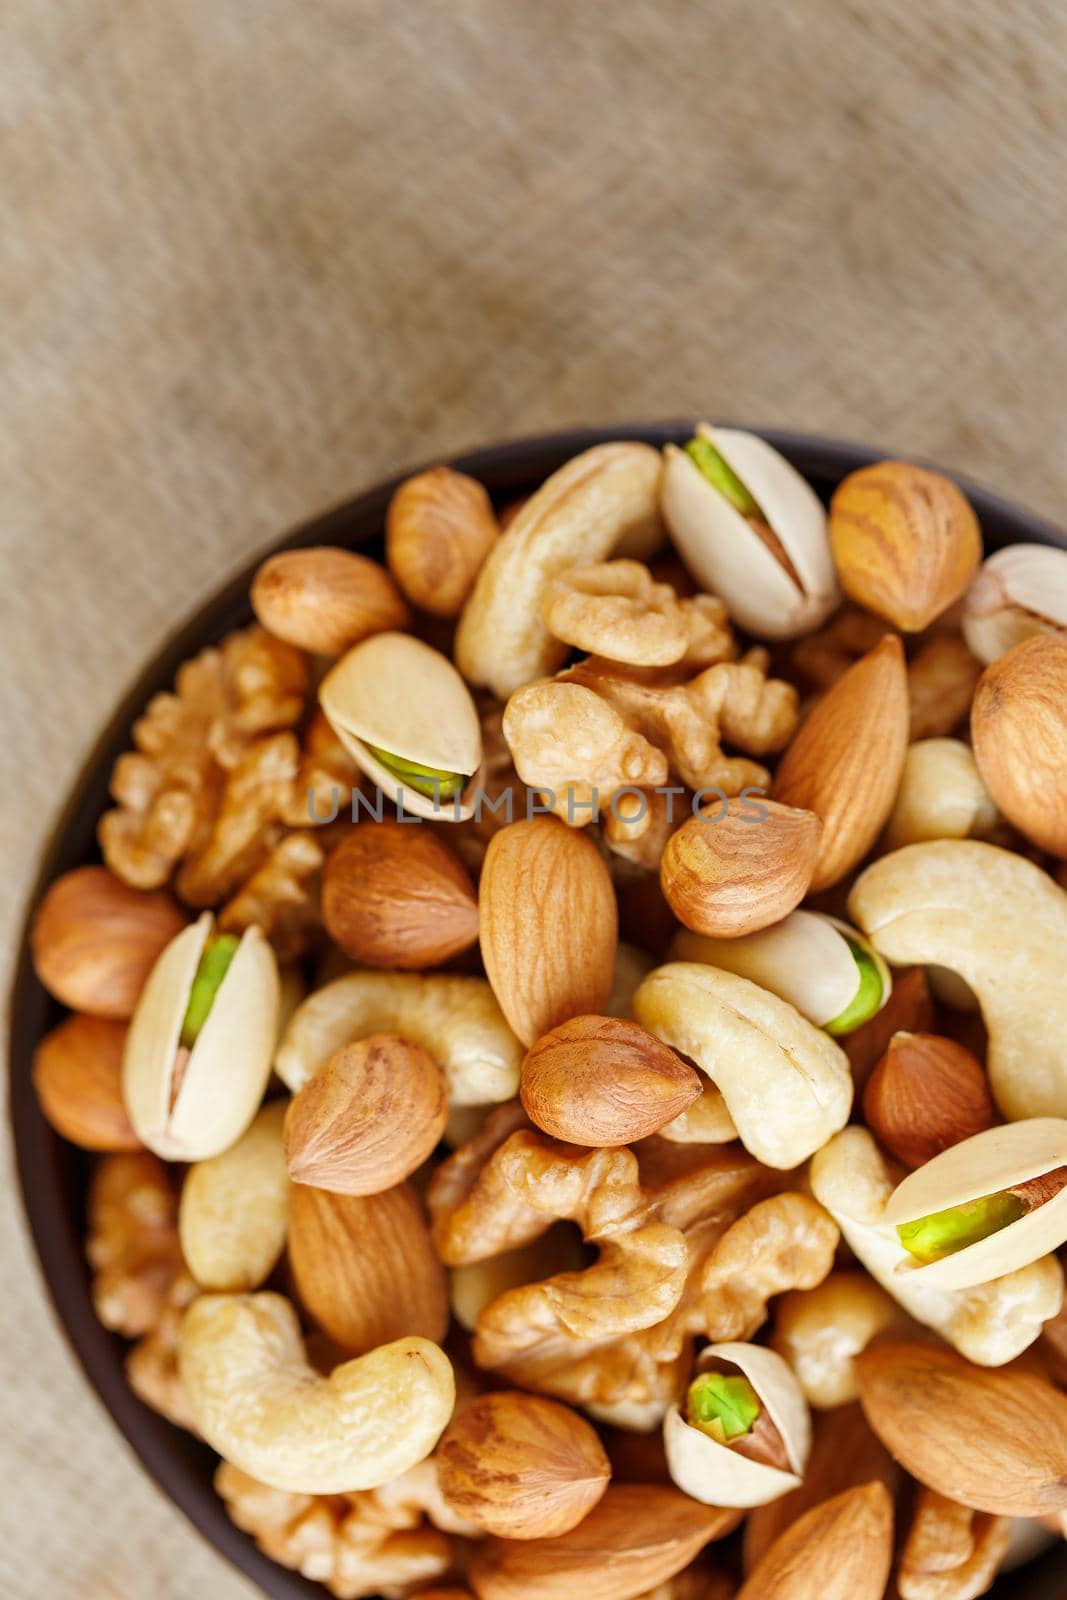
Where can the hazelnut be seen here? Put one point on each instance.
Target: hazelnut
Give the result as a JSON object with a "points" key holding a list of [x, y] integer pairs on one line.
{"points": [[394, 895], [77, 1072]]}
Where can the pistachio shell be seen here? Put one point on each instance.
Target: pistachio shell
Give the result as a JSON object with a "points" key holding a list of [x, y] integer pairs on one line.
{"points": [[722, 551], [719, 1476], [803, 959], [397, 693], [987, 1163], [202, 1110], [1019, 591]]}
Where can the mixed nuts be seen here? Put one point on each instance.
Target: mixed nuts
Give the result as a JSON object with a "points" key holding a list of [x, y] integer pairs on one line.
{"points": [[574, 1037]]}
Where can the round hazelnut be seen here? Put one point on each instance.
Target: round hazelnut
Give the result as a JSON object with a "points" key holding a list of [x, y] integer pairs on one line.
{"points": [[94, 940]]}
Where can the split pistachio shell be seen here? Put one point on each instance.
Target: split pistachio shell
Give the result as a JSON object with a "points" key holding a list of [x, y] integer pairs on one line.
{"points": [[991, 1323], [987, 1164], [192, 1107], [787, 1086], [1019, 591], [999, 922], [804, 959], [729, 558], [456, 1019], [396, 694], [718, 1475]]}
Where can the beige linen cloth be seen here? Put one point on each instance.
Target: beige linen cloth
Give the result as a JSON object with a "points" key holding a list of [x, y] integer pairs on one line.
{"points": [[258, 253]]}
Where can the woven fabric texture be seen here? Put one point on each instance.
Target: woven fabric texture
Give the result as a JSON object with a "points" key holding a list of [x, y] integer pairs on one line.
{"points": [[259, 253]]}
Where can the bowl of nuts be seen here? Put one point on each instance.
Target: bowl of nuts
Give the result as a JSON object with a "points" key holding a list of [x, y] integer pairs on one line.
{"points": [[539, 1057]]}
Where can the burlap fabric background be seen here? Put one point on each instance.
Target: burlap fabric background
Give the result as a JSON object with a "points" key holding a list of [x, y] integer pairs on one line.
{"points": [[257, 253]]}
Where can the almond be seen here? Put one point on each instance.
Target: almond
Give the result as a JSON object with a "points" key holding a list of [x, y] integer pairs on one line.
{"points": [[440, 528], [549, 925], [395, 895], [730, 874], [639, 1535], [991, 1439], [368, 1118], [601, 1081], [926, 1094], [905, 540], [846, 761], [325, 600], [77, 1072], [839, 1550], [95, 940], [364, 1267], [1019, 729], [521, 1467]]}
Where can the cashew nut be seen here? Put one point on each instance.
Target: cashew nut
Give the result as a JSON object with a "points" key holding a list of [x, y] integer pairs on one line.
{"points": [[821, 1331], [1001, 924], [256, 1400], [456, 1019], [234, 1210], [990, 1324], [581, 514], [786, 1084]]}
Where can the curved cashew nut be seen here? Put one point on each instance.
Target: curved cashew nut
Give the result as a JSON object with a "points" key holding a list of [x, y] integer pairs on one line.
{"points": [[990, 1324], [456, 1019], [580, 514], [256, 1400], [1001, 923], [786, 1084]]}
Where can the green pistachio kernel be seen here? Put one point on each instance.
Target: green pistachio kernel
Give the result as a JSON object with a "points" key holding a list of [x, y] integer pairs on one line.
{"points": [[433, 782], [722, 476], [942, 1233], [867, 998], [723, 1405], [211, 969]]}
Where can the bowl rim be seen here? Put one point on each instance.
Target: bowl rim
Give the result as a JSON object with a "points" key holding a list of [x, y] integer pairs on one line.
{"points": [[48, 1171]]}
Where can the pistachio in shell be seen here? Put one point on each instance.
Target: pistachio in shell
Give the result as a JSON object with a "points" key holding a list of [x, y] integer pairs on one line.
{"points": [[199, 1047], [407, 719], [722, 1474], [986, 1206]]}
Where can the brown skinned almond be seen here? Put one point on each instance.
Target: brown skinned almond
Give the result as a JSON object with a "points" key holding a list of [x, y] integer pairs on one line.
{"points": [[926, 1094], [521, 1467], [1019, 729], [602, 1081], [95, 940], [439, 529], [906, 542], [728, 875], [364, 1268], [325, 599], [549, 925], [846, 761], [839, 1550], [639, 1535], [368, 1118], [991, 1439], [77, 1072], [395, 895]]}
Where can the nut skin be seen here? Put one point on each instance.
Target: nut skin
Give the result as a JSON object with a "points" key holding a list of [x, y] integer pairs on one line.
{"points": [[905, 540], [94, 941], [1019, 729], [599, 1081], [77, 1072], [926, 1094], [521, 1467], [549, 925], [846, 760], [728, 875], [395, 895], [368, 1118], [364, 1267], [439, 529], [325, 599]]}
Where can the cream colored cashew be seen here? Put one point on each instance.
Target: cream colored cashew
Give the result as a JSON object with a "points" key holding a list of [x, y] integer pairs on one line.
{"points": [[990, 1324], [786, 1084], [941, 796], [256, 1400], [821, 1331], [591, 506], [456, 1019], [234, 1212], [1001, 924]]}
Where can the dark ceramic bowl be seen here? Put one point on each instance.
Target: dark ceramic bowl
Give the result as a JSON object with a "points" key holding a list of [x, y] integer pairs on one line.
{"points": [[53, 1174]]}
